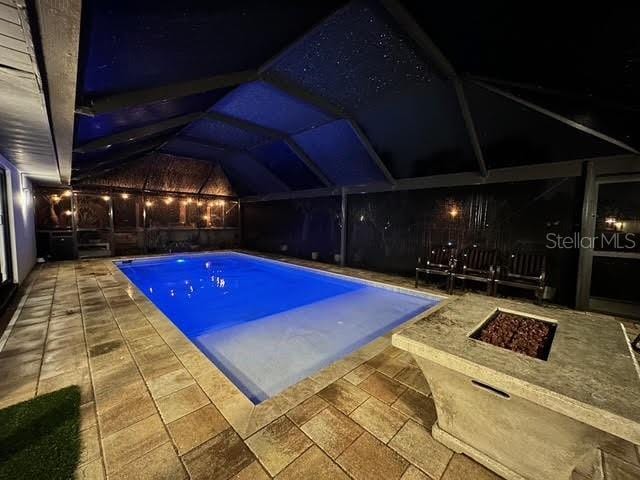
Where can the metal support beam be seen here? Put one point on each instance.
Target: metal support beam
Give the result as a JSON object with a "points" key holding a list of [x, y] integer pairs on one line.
{"points": [[311, 165], [343, 230], [59, 25], [471, 128], [245, 125], [372, 152], [134, 98], [555, 116], [137, 133], [419, 36], [498, 175], [435, 55], [301, 94], [273, 134], [587, 227]]}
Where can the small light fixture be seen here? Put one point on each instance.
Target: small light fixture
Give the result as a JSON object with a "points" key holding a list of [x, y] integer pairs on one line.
{"points": [[68, 213], [106, 198], [125, 196], [148, 203], [610, 220], [189, 200], [199, 203], [453, 212], [168, 200], [205, 218], [66, 193], [220, 203], [55, 198], [210, 204]]}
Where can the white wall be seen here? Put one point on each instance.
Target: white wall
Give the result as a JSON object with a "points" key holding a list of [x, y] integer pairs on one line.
{"points": [[21, 221]]}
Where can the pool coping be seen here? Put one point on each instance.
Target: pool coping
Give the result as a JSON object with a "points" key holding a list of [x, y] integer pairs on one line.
{"points": [[241, 413]]}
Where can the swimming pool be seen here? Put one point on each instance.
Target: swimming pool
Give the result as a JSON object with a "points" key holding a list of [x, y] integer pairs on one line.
{"points": [[268, 324]]}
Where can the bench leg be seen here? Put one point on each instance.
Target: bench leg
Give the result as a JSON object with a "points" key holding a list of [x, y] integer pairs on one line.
{"points": [[417, 278]]}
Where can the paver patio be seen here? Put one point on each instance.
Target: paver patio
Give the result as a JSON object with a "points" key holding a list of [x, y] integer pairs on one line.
{"points": [[155, 407]]}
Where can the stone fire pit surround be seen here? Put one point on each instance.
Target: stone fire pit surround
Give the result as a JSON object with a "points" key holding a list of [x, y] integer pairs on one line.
{"points": [[523, 417]]}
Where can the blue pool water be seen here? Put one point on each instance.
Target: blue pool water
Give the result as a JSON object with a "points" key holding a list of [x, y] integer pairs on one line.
{"points": [[268, 324]]}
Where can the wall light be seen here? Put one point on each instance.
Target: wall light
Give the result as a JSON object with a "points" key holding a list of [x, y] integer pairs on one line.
{"points": [[168, 200], [66, 193], [125, 196], [199, 203], [106, 198], [68, 213], [148, 203], [453, 212]]}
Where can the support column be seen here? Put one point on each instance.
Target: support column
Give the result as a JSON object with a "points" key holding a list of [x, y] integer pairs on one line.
{"points": [[343, 231], [587, 229]]}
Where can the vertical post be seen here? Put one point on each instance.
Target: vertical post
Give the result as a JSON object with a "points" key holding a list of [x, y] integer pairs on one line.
{"points": [[240, 229], [112, 230], [74, 223], [587, 228], [343, 231]]}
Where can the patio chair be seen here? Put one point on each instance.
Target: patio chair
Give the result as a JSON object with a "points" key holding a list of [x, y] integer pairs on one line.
{"points": [[440, 261], [523, 270], [477, 265]]}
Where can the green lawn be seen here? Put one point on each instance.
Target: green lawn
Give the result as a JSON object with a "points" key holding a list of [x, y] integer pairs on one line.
{"points": [[39, 438]]}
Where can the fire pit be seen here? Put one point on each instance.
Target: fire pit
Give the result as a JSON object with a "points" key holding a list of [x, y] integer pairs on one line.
{"points": [[518, 333], [530, 392]]}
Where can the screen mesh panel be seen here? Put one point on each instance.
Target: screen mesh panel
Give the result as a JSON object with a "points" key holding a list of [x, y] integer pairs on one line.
{"points": [[264, 104], [286, 165], [340, 154]]}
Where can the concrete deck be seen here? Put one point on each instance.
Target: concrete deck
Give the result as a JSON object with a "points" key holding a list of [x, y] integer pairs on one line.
{"points": [[155, 407]]}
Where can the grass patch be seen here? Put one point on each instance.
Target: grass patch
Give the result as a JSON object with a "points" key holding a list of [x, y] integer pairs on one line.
{"points": [[40, 438]]}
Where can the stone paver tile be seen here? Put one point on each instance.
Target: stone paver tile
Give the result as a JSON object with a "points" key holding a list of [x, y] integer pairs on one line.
{"points": [[382, 387], [252, 472], [343, 395], [87, 415], [618, 469], [368, 458], [180, 403], [414, 473], [417, 406], [417, 445], [197, 427], [413, 377], [390, 366], [170, 382], [332, 431], [132, 442], [357, 375], [109, 383], [306, 410], [379, 419], [160, 463], [278, 444], [313, 463], [17, 390], [143, 343], [134, 404], [157, 361], [89, 445], [16, 368], [79, 377], [221, 457], [93, 470], [463, 468]]}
